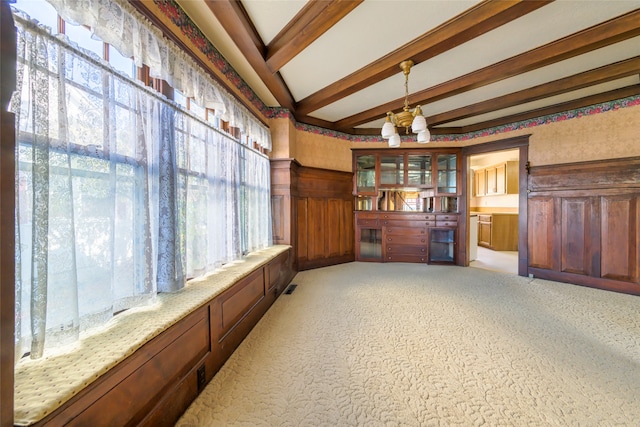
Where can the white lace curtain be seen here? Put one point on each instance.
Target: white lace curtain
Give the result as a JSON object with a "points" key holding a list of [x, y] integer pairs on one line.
{"points": [[116, 22], [120, 194]]}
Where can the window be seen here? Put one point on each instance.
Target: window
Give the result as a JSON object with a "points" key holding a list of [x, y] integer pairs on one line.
{"points": [[120, 193]]}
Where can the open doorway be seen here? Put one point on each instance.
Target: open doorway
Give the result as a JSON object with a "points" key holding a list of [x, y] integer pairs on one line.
{"points": [[493, 210]]}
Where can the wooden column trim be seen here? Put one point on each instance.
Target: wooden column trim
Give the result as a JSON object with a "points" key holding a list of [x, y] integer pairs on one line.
{"points": [[7, 214]]}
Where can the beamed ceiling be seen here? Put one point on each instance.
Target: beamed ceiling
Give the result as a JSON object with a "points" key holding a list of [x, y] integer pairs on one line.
{"points": [[478, 64]]}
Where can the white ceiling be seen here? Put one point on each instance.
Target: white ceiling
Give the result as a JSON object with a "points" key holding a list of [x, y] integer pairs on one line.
{"points": [[376, 28]]}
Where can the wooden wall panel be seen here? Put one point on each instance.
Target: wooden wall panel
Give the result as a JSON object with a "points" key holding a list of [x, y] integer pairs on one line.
{"points": [[584, 223], [302, 240], [619, 238], [347, 241], [576, 221], [541, 224], [245, 295], [317, 228], [336, 228], [278, 214], [310, 208], [137, 394]]}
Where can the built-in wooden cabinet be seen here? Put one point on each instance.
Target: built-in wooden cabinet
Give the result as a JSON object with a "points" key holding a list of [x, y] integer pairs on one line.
{"points": [[498, 231], [496, 180], [406, 205], [584, 223]]}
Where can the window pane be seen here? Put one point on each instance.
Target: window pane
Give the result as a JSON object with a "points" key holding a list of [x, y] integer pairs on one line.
{"points": [[41, 11], [180, 98], [121, 63], [82, 36], [196, 109]]}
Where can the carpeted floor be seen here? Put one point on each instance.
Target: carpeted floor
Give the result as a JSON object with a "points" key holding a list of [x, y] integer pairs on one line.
{"points": [[422, 345]]}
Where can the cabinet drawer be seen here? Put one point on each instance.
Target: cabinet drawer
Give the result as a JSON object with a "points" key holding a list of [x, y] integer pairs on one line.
{"points": [[446, 218], [404, 231], [446, 223], [419, 239], [405, 258], [395, 222], [484, 218], [406, 249], [367, 221], [367, 215], [406, 224]]}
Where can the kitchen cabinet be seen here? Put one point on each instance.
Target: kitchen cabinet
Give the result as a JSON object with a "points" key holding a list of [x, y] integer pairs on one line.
{"points": [[496, 180], [498, 231]]}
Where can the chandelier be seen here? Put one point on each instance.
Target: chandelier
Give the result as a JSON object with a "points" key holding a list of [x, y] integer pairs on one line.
{"points": [[406, 117]]}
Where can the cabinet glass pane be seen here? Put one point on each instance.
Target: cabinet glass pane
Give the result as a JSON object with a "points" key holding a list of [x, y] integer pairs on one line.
{"points": [[391, 170], [370, 243], [419, 170], [366, 173], [447, 174], [441, 245]]}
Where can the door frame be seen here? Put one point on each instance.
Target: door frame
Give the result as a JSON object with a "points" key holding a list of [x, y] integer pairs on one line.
{"points": [[522, 144]]}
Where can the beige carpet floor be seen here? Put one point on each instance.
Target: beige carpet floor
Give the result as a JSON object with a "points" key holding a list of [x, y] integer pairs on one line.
{"points": [[364, 344]]}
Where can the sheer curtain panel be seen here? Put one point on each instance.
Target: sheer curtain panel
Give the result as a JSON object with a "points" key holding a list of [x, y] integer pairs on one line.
{"points": [[120, 193]]}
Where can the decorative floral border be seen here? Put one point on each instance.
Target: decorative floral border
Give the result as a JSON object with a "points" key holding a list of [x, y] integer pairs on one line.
{"points": [[179, 18], [188, 29], [525, 124]]}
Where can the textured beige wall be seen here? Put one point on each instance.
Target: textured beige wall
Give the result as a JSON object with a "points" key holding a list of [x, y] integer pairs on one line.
{"points": [[324, 152], [608, 135], [283, 139]]}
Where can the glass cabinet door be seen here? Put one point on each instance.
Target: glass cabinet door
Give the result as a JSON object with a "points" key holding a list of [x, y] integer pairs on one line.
{"points": [[419, 170], [392, 170], [441, 245], [447, 173], [366, 174], [370, 244]]}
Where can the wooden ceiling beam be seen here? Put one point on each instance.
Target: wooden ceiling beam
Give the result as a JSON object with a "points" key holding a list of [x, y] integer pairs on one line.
{"points": [[613, 31], [237, 24], [547, 111], [480, 19], [596, 76], [313, 20]]}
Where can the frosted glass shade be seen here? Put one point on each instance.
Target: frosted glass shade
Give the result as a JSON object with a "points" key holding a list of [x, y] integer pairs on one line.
{"points": [[388, 129], [419, 124], [424, 136], [394, 141]]}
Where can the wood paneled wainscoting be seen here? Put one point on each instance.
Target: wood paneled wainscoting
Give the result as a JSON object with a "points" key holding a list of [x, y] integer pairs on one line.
{"points": [[156, 382], [584, 223], [313, 212]]}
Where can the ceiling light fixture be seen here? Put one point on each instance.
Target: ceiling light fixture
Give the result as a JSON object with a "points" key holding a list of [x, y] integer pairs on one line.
{"points": [[406, 117]]}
